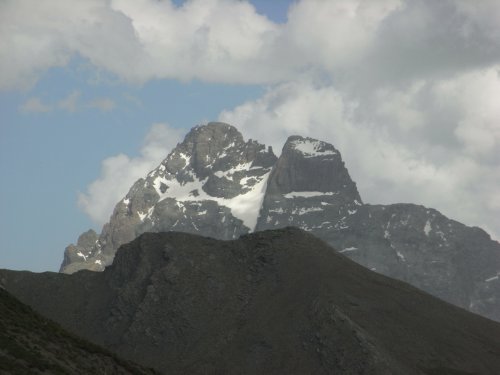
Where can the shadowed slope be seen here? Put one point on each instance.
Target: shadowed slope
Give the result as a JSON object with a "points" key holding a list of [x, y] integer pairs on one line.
{"points": [[279, 301], [31, 344]]}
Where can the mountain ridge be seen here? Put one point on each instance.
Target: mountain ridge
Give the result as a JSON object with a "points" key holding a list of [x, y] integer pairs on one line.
{"points": [[216, 184], [32, 344], [277, 301]]}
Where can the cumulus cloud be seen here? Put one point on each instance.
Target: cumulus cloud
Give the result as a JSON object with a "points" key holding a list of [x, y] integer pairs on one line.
{"points": [[215, 40], [353, 42], [119, 172], [34, 105], [394, 143], [407, 90]]}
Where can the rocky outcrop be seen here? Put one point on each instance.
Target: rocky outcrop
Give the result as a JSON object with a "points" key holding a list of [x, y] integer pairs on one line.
{"points": [[309, 187], [75, 256], [272, 302], [218, 185]]}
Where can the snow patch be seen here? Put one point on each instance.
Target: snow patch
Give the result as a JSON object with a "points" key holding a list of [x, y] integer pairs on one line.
{"points": [[307, 194], [492, 279], [228, 174], [347, 249], [303, 210], [427, 228], [245, 206], [80, 254], [311, 149]]}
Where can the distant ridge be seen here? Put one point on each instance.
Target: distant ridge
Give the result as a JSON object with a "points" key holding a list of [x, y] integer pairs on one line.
{"points": [[272, 302], [216, 184]]}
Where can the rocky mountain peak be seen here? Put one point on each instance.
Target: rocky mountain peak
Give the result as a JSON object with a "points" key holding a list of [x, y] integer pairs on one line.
{"points": [[216, 147], [212, 183], [309, 147], [310, 165], [204, 145], [217, 184]]}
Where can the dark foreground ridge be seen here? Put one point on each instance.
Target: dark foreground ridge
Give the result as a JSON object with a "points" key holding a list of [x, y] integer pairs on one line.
{"points": [[273, 302], [31, 344]]}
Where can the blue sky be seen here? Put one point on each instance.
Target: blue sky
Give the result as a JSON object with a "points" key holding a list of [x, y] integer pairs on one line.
{"points": [[47, 157], [89, 88]]}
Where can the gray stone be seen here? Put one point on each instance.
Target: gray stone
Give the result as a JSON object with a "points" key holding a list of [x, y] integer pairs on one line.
{"points": [[218, 165], [200, 188]]}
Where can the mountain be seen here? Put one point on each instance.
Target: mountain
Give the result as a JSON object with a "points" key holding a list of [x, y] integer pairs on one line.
{"points": [[271, 302], [218, 185], [32, 344], [211, 184]]}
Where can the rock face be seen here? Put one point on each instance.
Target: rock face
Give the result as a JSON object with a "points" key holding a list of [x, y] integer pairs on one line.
{"points": [[212, 184], [310, 188], [32, 344], [272, 302], [217, 185]]}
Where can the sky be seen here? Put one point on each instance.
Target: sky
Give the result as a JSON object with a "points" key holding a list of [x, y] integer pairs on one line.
{"points": [[95, 93]]}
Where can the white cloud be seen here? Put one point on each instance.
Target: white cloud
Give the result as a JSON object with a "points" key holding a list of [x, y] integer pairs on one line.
{"points": [[35, 104], [119, 172], [475, 96], [139, 40], [213, 40], [388, 140], [407, 90], [103, 104], [334, 34], [353, 42], [70, 102]]}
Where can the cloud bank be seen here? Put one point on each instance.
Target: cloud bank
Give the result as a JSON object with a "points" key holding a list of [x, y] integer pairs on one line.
{"points": [[407, 90], [445, 155], [70, 103], [372, 42]]}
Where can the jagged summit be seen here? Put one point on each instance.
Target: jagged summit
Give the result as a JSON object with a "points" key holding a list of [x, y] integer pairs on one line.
{"points": [[216, 184], [212, 183], [310, 147], [309, 187], [307, 165], [216, 147]]}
